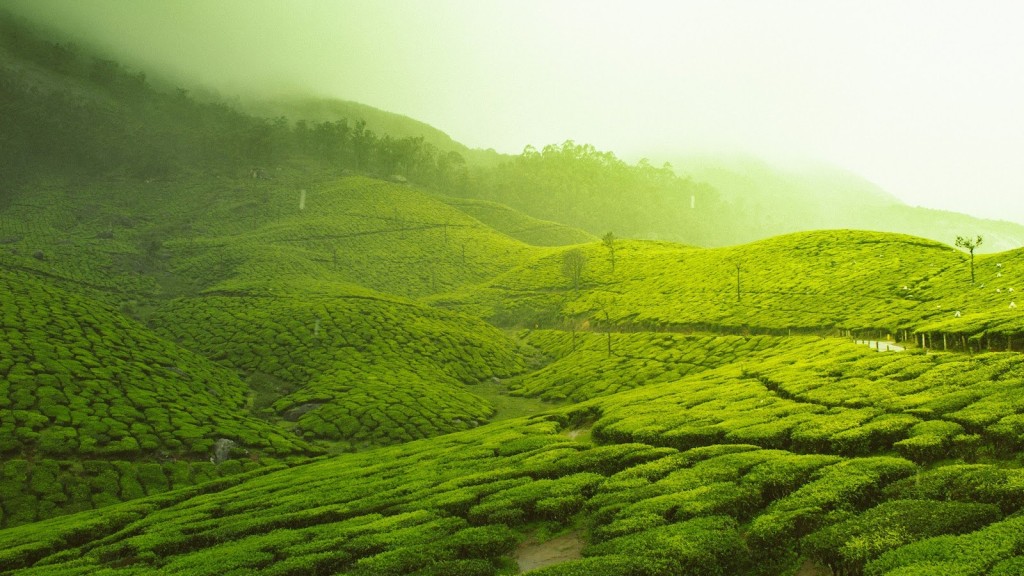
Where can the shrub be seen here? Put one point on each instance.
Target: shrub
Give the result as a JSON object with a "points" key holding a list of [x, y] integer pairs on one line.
{"points": [[608, 565], [488, 541], [974, 553], [703, 546], [847, 546]]}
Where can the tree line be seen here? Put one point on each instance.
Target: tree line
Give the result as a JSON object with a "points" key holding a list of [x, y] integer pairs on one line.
{"points": [[594, 190], [78, 113], [94, 116]]}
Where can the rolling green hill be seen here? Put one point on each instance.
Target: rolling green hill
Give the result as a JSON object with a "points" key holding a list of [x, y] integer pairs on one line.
{"points": [[96, 409], [774, 200], [826, 282], [735, 472], [350, 367], [235, 345], [395, 125], [518, 225]]}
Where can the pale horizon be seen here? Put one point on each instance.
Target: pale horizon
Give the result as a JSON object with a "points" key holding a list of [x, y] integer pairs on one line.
{"points": [[919, 98]]}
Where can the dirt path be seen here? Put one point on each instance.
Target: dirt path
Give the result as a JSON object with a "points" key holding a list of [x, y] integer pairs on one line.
{"points": [[532, 555], [809, 568], [882, 345]]}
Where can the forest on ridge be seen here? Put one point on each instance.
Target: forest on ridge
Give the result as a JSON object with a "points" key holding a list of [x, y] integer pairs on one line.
{"points": [[311, 343]]}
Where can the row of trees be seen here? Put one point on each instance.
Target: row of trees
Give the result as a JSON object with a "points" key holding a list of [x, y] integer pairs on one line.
{"points": [[102, 117], [594, 190]]}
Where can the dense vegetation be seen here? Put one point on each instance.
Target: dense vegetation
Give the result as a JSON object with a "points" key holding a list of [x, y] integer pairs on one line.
{"points": [[316, 368], [594, 190]]}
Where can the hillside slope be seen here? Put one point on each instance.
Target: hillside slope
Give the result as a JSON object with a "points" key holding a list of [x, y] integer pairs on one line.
{"points": [[518, 225], [733, 471], [805, 281], [774, 200], [380, 121], [96, 409], [236, 345]]}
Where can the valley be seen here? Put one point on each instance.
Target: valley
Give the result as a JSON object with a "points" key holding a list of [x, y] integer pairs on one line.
{"points": [[242, 344]]}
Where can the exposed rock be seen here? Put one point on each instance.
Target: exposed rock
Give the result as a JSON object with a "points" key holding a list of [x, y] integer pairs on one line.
{"points": [[222, 450], [293, 414]]}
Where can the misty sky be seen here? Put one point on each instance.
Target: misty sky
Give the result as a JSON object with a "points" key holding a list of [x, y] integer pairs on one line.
{"points": [[924, 98]]}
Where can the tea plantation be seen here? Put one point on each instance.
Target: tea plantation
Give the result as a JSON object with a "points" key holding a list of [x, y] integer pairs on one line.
{"points": [[95, 409], [238, 345], [827, 282], [177, 423], [518, 225], [354, 367]]}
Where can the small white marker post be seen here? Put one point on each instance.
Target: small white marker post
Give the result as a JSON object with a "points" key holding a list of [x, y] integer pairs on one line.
{"points": [[302, 199]]}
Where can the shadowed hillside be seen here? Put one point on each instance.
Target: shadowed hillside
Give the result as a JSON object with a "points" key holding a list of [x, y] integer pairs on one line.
{"points": [[236, 345]]}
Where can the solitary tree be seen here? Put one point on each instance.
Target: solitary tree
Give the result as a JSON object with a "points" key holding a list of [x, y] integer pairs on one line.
{"points": [[967, 244], [573, 263], [604, 304], [609, 242], [737, 265]]}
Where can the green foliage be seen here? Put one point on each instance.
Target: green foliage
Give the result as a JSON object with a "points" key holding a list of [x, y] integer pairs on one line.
{"points": [[593, 190], [849, 545], [42, 489], [584, 370], [359, 369], [518, 225], [121, 388], [965, 483], [70, 124], [844, 487], [177, 300], [606, 565], [969, 554], [702, 546]]}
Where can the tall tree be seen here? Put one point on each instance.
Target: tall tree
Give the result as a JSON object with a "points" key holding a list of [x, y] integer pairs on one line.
{"points": [[966, 243], [609, 242], [738, 269], [573, 263]]}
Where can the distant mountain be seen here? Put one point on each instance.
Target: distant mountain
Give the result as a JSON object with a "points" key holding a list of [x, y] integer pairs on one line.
{"points": [[236, 345], [312, 109], [772, 199]]}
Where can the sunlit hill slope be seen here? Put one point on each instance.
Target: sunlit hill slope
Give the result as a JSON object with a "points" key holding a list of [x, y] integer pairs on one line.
{"points": [[231, 346]]}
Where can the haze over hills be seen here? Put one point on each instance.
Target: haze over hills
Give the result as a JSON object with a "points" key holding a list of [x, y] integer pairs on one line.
{"points": [[398, 126], [235, 344], [781, 199], [761, 199], [740, 198]]}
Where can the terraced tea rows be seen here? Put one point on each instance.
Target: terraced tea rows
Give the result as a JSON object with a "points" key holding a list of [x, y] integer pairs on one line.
{"points": [[520, 226], [39, 488], [585, 366], [368, 232], [95, 409], [196, 304], [79, 379], [836, 397], [136, 240], [460, 503], [842, 282], [356, 367], [767, 451]]}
